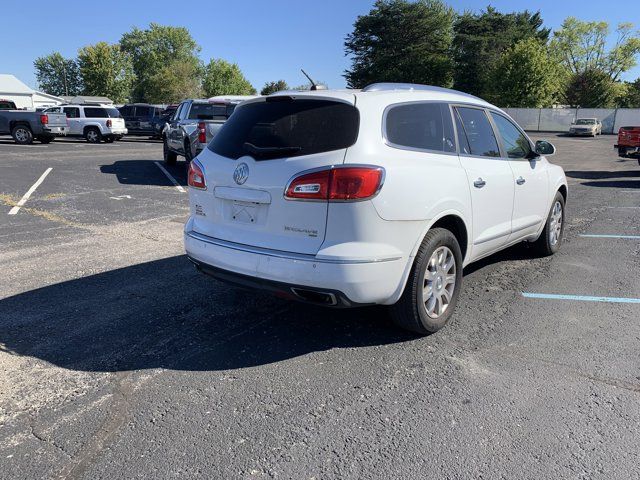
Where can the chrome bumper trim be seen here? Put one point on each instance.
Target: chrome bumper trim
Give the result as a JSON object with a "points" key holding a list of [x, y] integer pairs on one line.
{"points": [[279, 253]]}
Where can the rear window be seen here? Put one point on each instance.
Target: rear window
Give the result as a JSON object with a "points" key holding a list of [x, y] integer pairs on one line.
{"points": [[210, 111], [144, 111], [425, 126], [93, 112], [5, 105], [287, 128]]}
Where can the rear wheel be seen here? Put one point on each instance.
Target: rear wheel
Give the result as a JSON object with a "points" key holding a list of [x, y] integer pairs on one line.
{"points": [[551, 237], [22, 135], [433, 287], [622, 152], [170, 157], [109, 139], [93, 135]]}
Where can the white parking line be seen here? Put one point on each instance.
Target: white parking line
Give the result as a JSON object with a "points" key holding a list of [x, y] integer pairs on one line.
{"points": [[170, 177], [26, 196]]}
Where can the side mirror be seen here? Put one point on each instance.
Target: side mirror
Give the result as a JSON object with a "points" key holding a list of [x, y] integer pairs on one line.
{"points": [[545, 148]]}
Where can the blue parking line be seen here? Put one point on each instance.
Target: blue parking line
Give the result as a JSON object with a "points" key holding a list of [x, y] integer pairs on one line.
{"points": [[625, 237], [580, 298]]}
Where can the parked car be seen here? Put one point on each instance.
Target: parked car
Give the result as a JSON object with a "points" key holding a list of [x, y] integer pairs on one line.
{"points": [[586, 126], [195, 123], [373, 197], [139, 118], [25, 126], [94, 122], [161, 122], [628, 142]]}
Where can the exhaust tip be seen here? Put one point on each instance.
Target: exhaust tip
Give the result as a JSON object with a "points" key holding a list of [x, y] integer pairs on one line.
{"points": [[314, 296]]}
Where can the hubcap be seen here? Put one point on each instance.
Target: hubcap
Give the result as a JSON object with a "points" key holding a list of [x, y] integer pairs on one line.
{"points": [[439, 282], [21, 135], [555, 228], [92, 136]]}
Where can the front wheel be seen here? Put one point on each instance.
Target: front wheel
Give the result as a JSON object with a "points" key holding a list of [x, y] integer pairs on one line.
{"points": [[433, 287], [551, 237]]}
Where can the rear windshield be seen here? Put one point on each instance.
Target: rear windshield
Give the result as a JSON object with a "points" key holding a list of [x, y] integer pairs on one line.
{"points": [[210, 111], [287, 128], [4, 105], [585, 121], [94, 112]]}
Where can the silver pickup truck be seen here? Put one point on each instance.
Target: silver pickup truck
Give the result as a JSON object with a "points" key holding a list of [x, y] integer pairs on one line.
{"points": [[195, 123], [25, 126]]}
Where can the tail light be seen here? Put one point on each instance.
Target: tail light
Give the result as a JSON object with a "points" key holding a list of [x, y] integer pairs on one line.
{"points": [[44, 119], [202, 132], [196, 176], [109, 123], [337, 184]]}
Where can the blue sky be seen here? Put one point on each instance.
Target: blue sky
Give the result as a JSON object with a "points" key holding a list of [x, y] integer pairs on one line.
{"points": [[268, 39]]}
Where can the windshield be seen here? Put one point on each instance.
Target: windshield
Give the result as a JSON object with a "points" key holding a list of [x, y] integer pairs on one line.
{"points": [[210, 111], [585, 121], [287, 128]]}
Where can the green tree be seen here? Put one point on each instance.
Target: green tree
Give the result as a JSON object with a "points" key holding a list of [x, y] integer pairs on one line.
{"points": [[57, 75], [402, 41], [155, 48], [527, 75], [582, 46], [629, 95], [106, 71], [175, 81], [481, 39], [592, 88], [272, 87], [224, 78]]}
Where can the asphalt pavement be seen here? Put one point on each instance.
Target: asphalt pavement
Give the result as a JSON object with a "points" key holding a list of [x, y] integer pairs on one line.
{"points": [[119, 360]]}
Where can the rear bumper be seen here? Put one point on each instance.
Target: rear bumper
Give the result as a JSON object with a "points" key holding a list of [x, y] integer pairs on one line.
{"points": [[352, 282], [55, 130], [116, 131]]}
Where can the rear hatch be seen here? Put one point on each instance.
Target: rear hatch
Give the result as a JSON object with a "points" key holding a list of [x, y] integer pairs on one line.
{"points": [[253, 157], [629, 136], [210, 117]]}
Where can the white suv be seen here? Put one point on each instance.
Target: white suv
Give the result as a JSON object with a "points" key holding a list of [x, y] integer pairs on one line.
{"points": [[380, 196], [94, 122]]}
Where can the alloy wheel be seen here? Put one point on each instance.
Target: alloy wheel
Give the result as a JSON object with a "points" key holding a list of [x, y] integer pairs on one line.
{"points": [[439, 282], [555, 228]]}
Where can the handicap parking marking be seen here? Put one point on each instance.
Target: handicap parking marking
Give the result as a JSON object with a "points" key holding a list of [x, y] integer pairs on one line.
{"points": [[26, 196], [580, 298], [623, 237], [170, 177]]}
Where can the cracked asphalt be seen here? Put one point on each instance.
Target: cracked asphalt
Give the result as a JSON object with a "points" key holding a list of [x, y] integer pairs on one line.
{"points": [[119, 360]]}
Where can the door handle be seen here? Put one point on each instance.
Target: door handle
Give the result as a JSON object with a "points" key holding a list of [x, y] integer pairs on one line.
{"points": [[479, 183], [520, 181]]}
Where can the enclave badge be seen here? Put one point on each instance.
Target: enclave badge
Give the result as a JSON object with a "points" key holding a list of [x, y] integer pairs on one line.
{"points": [[241, 173]]}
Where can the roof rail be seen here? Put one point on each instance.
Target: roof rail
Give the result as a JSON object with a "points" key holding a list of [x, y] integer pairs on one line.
{"points": [[390, 86]]}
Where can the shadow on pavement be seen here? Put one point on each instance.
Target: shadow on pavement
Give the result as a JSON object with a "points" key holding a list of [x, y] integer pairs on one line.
{"points": [[164, 314], [614, 184], [145, 172], [601, 174]]}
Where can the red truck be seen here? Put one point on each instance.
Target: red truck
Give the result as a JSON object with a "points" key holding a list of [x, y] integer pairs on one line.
{"points": [[628, 142]]}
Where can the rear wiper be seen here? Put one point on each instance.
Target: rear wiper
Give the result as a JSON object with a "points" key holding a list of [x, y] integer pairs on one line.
{"points": [[269, 151]]}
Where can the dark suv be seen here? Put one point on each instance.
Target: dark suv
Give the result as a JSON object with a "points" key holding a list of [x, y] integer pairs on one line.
{"points": [[139, 118]]}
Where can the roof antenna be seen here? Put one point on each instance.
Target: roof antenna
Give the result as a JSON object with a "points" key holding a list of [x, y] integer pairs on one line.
{"points": [[314, 85]]}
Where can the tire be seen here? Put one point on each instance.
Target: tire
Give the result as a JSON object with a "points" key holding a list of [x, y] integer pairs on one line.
{"points": [[170, 158], [92, 135], [551, 237], [439, 249], [46, 139], [622, 152], [109, 139], [22, 135]]}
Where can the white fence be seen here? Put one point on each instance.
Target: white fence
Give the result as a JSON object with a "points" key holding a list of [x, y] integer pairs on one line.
{"points": [[559, 119]]}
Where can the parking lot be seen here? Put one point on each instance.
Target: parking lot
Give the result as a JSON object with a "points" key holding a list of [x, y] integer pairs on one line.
{"points": [[119, 360]]}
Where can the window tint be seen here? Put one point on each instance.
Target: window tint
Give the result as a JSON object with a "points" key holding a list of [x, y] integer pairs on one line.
{"points": [[94, 112], [463, 143], [479, 132], [126, 111], [113, 112], [7, 105], [144, 111], [71, 112], [287, 128], [210, 111], [421, 125], [514, 142]]}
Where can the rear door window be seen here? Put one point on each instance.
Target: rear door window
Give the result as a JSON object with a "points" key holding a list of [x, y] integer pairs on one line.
{"points": [[72, 112], [424, 126], [479, 132], [285, 127]]}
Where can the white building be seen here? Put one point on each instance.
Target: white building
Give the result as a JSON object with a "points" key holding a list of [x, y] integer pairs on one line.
{"points": [[23, 96]]}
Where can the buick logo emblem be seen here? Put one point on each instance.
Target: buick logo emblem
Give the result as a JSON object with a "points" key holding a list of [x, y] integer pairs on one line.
{"points": [[241, 173]]}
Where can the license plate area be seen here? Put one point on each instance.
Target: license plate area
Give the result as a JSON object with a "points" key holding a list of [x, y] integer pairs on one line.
{"points": [[246, 213]]}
